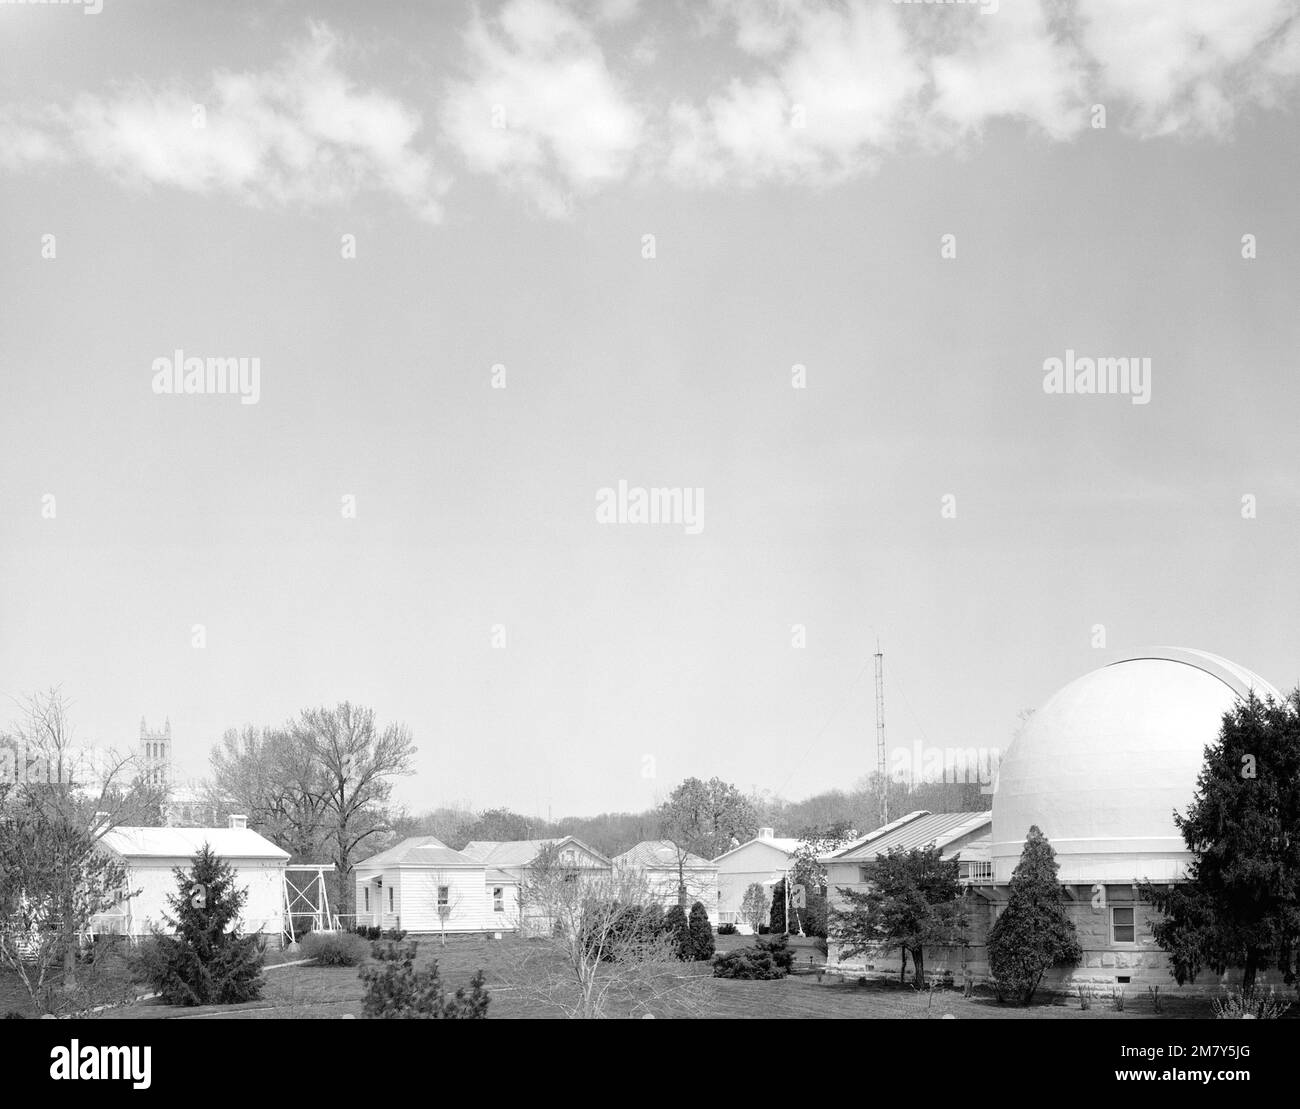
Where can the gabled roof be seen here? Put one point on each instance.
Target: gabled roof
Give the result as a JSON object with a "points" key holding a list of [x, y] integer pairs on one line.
{"points": [[184, 843], [500, 878], [418, 851], [521, 852], [660, 853], [788, 844], [919, 829]]}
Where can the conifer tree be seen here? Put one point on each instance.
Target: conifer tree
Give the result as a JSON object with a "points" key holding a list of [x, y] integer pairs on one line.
{"points": [[1033, 932], [1241, 904], [700, 931], [205, 960], [677, 928]]}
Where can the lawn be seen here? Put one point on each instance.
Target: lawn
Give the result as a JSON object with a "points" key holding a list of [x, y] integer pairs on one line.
{"points": [[310, 992]]}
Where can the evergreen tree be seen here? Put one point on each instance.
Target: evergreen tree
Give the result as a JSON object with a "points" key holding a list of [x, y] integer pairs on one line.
{"points": [[1241, 905], [776, 918], [1033, 932], [677, 928], [395, 990], [912, 901], [700, 934], [205, 960]]}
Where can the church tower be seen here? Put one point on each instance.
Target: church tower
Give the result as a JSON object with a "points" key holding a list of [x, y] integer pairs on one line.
{"points": [[155, 753]]}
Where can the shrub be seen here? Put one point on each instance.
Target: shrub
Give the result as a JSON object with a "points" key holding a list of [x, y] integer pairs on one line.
{"points": [[726, 929], [1085, 998], [765, 961], [699, 941], [1156, 1003], [609, 925], [677, 928], [1249, 1005], [1117, 1000], [206, 961], [368, 931], [386, 951], [395, 990], [764, 930], [652, 919], [335, 949], [779, 948], [397, 935]]}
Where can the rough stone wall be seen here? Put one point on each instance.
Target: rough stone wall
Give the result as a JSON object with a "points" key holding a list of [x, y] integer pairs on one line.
{"points": [[1103, 964]]}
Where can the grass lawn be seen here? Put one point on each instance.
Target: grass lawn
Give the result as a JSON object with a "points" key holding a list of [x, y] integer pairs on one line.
{"points": [[311, 992]]}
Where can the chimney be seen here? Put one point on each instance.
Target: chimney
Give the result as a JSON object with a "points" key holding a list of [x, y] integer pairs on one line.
{"points": [[766, 833], [239, 821]]}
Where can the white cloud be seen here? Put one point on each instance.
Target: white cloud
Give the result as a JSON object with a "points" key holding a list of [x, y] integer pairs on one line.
{"points": [[1014, 64], [300, 133], [27, 141], [800, 92], [1194, 66], [565, 125], [876, 77], [841, 92]]}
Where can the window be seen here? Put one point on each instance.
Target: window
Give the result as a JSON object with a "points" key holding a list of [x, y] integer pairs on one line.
{"points": [[498, 899], [444, 898], [390, 899], [864, 874], [1122, 929], [367, 893]]}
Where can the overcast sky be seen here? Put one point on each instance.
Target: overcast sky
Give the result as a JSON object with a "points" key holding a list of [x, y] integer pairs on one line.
{"points": [[499, 167]]}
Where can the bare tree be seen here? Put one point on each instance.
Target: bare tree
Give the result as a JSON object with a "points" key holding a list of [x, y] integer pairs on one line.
{"points": [[357, 762], [756, 906], [318, 785], [600, 954], [55, 877], [446, 909], [272, 776]]}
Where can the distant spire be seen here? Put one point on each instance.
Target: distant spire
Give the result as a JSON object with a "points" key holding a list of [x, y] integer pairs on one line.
{"points": [[142, 727], [167, 727]]}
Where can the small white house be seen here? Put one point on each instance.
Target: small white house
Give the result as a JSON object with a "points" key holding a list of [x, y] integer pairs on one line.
{"points": [[514, 859], [150, 856], [764, 860], [664, 868], [422, 885]]}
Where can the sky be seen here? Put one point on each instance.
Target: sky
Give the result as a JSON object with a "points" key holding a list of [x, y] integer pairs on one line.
{"points": [[493, 259]]}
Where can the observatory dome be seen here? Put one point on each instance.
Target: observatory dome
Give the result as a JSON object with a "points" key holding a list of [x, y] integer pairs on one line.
{"points": [[1102, 766]]}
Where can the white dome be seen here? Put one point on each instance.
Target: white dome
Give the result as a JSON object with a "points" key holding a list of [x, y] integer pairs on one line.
{"points": [[1101, 766]]}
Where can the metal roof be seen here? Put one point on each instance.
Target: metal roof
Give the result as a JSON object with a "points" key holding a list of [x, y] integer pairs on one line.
{"points": [[788, 844], [521, 852], [418, 851], [661, 853], [184, 843], [919, 830]]}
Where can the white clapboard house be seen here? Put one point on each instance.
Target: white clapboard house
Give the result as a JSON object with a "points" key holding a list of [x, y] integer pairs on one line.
{"points": [[151, 855]]}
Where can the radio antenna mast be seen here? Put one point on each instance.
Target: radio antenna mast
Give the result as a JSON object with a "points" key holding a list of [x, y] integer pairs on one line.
{"points": [[880, 735]]}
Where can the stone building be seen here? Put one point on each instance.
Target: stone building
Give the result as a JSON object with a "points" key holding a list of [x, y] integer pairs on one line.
{"points": [[1100, 768]]}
